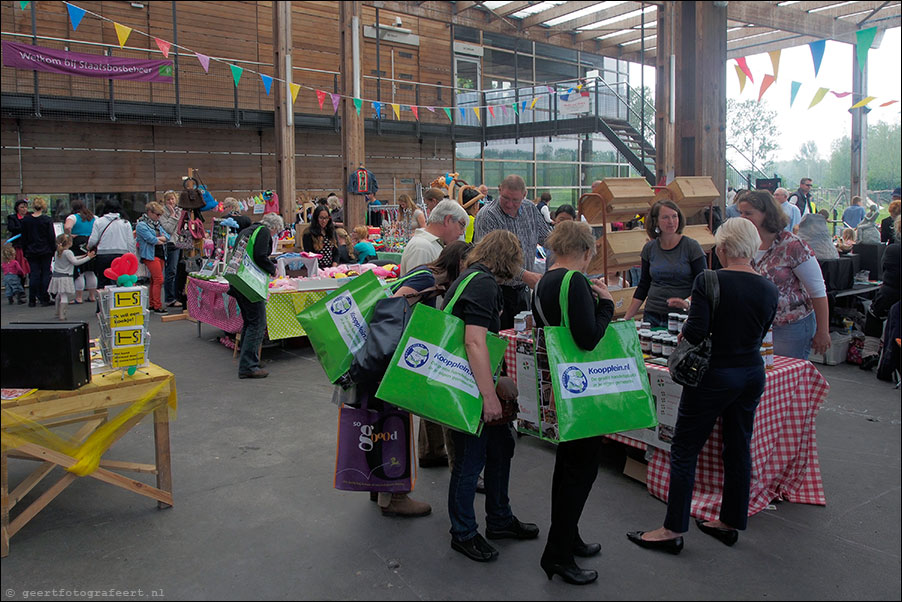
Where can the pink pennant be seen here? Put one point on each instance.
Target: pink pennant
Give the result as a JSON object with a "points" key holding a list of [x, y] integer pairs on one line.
{"points": [[204, 61], [745, 69], [430, 109], [765, 84], [839, 94], [504, 110], [320, 96], [336, 98], [415, 111], [888, 103], [164, 46]]}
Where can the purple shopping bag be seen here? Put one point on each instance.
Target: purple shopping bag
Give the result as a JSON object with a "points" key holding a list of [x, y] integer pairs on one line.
{"points": [[374, 450]]}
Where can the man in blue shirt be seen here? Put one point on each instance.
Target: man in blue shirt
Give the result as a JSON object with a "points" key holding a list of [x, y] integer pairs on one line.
{"points": [[781, 195], [853, 215]]}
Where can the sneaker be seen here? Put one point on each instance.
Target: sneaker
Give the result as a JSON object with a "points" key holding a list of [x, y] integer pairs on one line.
{"points": [[258, 373], [159, 310], [515, 530], [476, 548], [402, 505]]}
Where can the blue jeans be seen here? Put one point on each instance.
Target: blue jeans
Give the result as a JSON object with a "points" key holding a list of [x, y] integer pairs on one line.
{"points": [[172, 265], [254, 316], [794, 339], [656, 320], [493, 449], [731, 394]]}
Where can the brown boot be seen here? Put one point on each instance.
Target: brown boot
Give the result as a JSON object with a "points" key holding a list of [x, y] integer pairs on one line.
{"points": [[402, 505]]}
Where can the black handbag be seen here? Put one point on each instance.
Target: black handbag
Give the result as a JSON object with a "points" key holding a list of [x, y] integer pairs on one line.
{"points": [[688, 363]]}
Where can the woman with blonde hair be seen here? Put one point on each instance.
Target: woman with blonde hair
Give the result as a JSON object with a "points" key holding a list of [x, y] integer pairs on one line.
{"points": [[412, 215], [346, 254], [498, 257], [170, 222], [152, 239], [39, 243]]}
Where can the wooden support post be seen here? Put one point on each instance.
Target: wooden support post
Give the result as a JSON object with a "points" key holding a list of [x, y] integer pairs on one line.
{"points": [[859, 166], [665, 159], [352, 134], [284, 108]]}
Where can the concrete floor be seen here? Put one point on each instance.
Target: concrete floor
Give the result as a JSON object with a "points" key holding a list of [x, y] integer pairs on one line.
{"points": [[256, 517]]}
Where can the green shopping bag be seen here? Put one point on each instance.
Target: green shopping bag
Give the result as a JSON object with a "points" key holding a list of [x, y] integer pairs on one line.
{"points": [[429, 374], [597, 392], [337, 324], [242, 273]]}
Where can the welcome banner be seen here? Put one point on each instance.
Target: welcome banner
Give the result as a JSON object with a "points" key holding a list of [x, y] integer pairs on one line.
{"points": [[25, 56]]}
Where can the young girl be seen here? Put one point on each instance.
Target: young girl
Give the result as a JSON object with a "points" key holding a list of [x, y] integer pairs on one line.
{"points": [[62, 283], [845, 244], [362, 247], [346, 254], [12, 275]]}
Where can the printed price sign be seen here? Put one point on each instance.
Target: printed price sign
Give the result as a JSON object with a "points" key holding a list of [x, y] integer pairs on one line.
{"points": [[127, 297], [128, 316], [126, 337], [124, 357]]}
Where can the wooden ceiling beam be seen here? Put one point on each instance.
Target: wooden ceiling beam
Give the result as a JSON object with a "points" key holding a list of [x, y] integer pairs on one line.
{"points": [[651, 20], [513, 7], [462, 6], [787, 19], [601, 15], [555, 12]]}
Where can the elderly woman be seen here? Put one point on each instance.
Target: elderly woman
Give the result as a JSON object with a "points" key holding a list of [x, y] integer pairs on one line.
{"points": [[670, 263], [590, 310], [231, 208], [803, 315], [111, 237], [497, 258], [254, 313], [730, 389], [152, 239]]}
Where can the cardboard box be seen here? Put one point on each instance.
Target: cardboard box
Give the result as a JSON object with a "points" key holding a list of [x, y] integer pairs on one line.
{"points": [[636, 470], [622, 300]]}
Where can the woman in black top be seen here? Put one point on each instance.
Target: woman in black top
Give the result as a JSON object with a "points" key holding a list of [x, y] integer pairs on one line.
{"points": [[497, 258], [13, 227], [576, 462], [39, 243], [730, 390], [320, 237]]}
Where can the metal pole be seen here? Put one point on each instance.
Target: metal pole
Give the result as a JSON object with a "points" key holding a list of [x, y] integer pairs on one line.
{"points": [[642, 87], [379, 77], [175, 45], [34, 42], [109, 52]]}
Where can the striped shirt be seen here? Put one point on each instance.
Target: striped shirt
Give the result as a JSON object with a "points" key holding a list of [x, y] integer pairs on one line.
{"points": [[529, 226]]}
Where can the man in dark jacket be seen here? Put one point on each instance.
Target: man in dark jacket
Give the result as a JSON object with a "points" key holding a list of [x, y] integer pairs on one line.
{"points": [[802, 196]]}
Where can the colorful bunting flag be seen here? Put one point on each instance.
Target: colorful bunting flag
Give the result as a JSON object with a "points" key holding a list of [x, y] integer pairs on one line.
{"points": [[416, 115], [742, 78], [267, 83], [164, 46], [320, 97], [745, 68], [818, 96], [448, 113], [839, 94], [532, 105], [204, 61], [888, 103], [863, 41], [476, 110], [523, 105], [336, 98], [357, 104], [397, 110], [795, 90], [817, 54], [122, 32], [430, 109], [863, 102], [378, 108], [236, 73], [24, 4], [516, 108], [550, 89], [504, 110], [75, 15], [765, 84], [463, 112], [775, 62], [491, 110], [295, 88]]}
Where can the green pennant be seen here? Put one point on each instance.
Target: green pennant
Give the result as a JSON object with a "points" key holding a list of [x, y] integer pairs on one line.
{"points": [[516, 106], [357, 104], [448, 113], [24, 5], [863, 41], [236, 73]]}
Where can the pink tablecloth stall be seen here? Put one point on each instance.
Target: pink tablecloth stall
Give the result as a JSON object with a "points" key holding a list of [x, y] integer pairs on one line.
{"points": [[210, 303], [784, 447]]}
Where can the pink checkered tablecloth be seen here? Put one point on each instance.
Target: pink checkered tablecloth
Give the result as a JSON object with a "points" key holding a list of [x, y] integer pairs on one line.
{"points": [[784, 446], [209, 302]]}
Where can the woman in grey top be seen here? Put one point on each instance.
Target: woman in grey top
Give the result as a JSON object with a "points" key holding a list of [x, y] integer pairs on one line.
{"points": [[670, 263]]}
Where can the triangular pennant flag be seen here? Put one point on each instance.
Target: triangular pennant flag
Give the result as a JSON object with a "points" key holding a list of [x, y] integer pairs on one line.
{"points": [[550, 89], [75, 15], [491, 110], [888, 103], [863, 41], [448, 113], [122, 32], [414, 110], [357, 104], [24, 4], [818, 96], [463, 112], [516, 108], [765, 84], [267, 83], [745, 68], [295, 88], [476, 110], [378, 107], [839, 94], [397, 110], [336, 98], [775, 62], [863, 102], [320, 97], [742, 78], [532, 105], [579, 87], [817, 54], [523, 105], [204, 61], [236, 73], [430, 109], [164, 46], [795, 90], [504, 110]]}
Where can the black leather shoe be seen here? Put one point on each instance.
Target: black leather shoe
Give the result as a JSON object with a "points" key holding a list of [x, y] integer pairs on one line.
{"points": [[586, 550], [726, 536], [515, 530], [257, 373], [569, 572], [673, 546], [476, 548], [870, 362]]}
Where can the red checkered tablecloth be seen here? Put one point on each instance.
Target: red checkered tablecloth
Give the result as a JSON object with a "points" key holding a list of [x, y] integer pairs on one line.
{"points": [[784, 446]]}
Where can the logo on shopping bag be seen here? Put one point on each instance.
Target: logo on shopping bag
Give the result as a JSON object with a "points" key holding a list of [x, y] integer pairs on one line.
{"points": [[416, 355], [348, 321], [340, 306], [574, 380]]}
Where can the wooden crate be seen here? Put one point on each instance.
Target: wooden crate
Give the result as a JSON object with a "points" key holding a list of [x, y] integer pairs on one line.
{"points": [[625, 248], [619, 198], [622, 300], [693, 193], [700, 234]]}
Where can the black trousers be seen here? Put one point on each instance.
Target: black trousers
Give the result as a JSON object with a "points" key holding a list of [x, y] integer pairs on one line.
{"points": [[883, 300], [516, 299], [39, 278], [575, 469]]}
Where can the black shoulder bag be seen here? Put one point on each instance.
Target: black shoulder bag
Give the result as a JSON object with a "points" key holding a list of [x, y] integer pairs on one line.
{"points": [[688, 363]]}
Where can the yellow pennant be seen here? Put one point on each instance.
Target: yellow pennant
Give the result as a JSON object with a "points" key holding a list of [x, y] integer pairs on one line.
{"points": [[742, 78], [476, 110], [775, 61], [863, 102], [295, 88], [532, 105], [397, 110], [818, 96], [122, 32]]}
